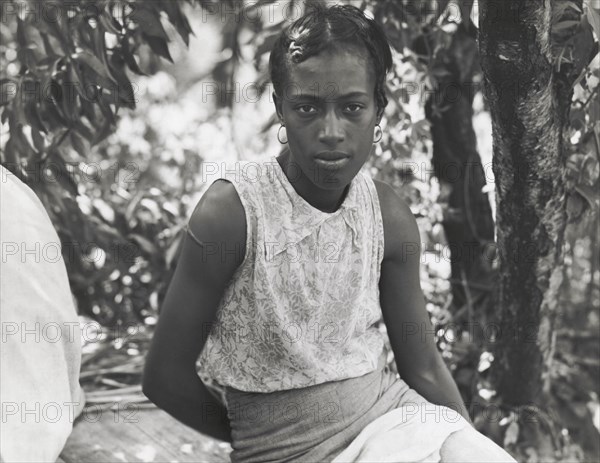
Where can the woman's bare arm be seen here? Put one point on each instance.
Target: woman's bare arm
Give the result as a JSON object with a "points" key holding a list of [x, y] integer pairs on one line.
{"points": [[189, 310], [409, 328]]}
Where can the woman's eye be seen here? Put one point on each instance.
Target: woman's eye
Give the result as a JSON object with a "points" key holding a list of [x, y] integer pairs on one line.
{"points": [[306, 109], [353, 108]]}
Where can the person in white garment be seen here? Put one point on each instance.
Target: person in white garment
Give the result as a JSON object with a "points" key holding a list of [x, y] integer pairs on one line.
{"points": [[40, 346]]}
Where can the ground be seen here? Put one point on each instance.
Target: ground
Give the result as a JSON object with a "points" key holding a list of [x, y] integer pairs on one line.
{"points": [[138, 435]]}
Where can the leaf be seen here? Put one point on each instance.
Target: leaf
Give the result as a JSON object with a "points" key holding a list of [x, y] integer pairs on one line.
{"points": [[38, 141], [105, 210], [149, 21], [152, 207], [69, 105], [98, 73], [88, 110], [21, 33], [88, 93], [80, 144], [593, 18], [27, 57], [589, 194], [19, 105], [573, 5], [252, 6], [84, 131], [126, 94], [512, 434], [158, 46], [104, 132], [130, 59], [23, 146], [58, 137], [178, 20], [52, 22], [50, 112], [184, 27], [47, 45], [565, 25], [50, 65], [110, 23], [62, 174], [33, 117], [146, 245], [100, 48], [104, 105]]}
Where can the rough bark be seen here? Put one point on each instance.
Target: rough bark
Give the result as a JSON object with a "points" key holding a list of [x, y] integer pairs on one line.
{"points": [[528, 113]]}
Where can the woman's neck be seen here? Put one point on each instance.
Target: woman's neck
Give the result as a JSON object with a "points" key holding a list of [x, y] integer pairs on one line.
{"points": [[322, 199]]}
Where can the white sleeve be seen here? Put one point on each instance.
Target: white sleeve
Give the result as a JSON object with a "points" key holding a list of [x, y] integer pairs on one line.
{"points": [[40, 348]]}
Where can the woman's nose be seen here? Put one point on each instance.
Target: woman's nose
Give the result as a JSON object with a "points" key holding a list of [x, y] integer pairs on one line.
{"points": [[332, 131]]}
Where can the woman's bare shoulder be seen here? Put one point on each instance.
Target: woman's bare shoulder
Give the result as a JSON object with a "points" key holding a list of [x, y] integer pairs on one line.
{"points": [[219, 217], [399, 224]]}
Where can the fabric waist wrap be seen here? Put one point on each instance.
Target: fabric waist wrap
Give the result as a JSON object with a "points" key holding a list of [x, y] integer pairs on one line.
{"points": [[317, 423]]}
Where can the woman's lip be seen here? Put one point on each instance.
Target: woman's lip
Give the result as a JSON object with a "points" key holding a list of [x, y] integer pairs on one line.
{"points": [[331, 155], [333, 163]]}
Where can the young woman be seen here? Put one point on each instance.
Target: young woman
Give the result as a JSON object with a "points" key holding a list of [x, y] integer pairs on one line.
{"points": [[287, 267]]}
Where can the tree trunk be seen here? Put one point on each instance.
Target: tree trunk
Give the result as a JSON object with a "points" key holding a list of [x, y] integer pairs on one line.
{"points": [[529, 106]]}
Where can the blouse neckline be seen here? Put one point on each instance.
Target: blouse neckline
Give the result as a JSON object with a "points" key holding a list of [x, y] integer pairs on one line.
{"points": [[350, 201]]}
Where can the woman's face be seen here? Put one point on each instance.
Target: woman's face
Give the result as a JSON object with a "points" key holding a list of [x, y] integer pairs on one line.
{"points": [[329, 111]]}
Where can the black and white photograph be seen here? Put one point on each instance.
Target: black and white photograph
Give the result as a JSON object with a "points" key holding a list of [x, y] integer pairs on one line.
{"points": [[300, 231]]}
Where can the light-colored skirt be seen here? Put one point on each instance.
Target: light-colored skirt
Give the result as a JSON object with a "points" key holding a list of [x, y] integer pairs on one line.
{"points": [[317, 423]]}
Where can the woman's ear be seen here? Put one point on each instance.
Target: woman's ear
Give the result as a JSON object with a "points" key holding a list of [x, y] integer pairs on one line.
{"points": [[380, 112], [278, 107]]}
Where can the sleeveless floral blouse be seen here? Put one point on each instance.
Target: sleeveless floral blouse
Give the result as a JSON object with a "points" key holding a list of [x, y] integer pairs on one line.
{"points": [[300, 309]]}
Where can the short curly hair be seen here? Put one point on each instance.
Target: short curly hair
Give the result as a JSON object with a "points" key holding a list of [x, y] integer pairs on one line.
{"points": [[328, 28]]}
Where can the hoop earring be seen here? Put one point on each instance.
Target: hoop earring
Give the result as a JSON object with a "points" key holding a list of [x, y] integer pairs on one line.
{"points": [[380, 134], [279, 135]]}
